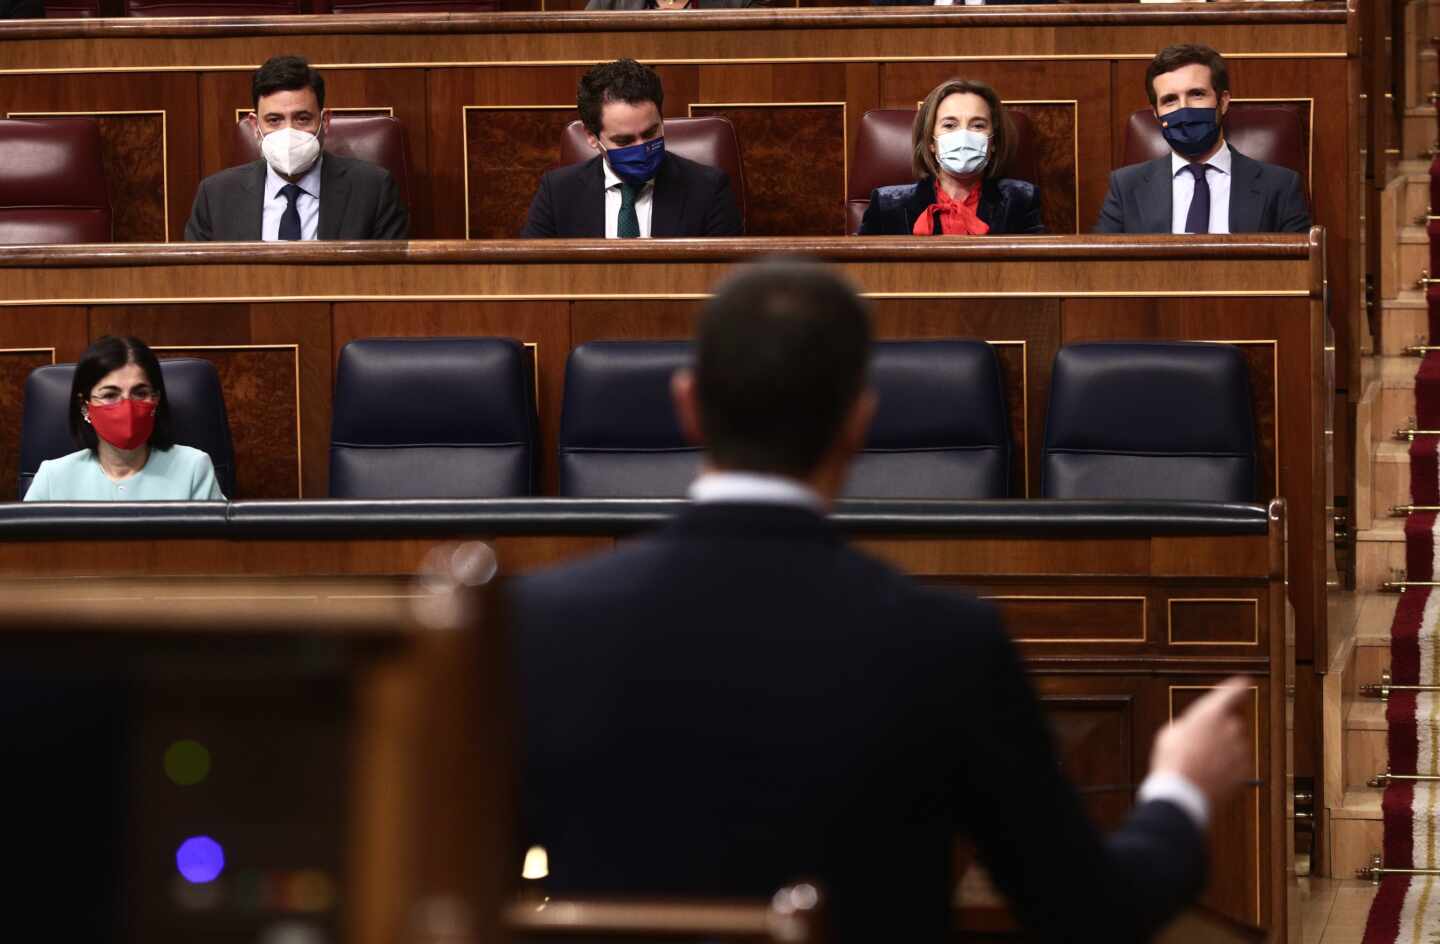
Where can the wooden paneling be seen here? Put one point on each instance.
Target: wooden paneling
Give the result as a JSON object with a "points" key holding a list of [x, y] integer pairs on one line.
{"points": [[27, 337], [1065, 618], [15, 366], [1094, 724], [794, 157], [1056, 87], [1225, 621], [153, 175], [507, 150], [545, 324], [258, 381]]}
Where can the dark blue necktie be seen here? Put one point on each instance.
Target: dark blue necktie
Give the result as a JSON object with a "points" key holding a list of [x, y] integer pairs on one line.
{"points": [[290, 219], [1198, 219]]}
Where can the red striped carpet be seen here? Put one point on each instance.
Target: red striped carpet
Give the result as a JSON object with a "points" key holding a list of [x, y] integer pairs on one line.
{"points": [[1406, 908]]}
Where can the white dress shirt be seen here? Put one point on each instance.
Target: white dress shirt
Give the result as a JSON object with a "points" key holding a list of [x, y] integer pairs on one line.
{"points": [[753, 488], [1217, 175], [307, 204], [644, 201]]}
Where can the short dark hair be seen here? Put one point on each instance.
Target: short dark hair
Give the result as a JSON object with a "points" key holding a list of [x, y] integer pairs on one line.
{"points": [[285, 74], [1002, 129], [623, 80], [1185, 54], [782, 353], [105, 355]]}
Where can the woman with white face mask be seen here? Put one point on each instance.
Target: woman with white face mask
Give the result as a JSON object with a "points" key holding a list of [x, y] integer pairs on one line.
{"points": [[961, 141]]}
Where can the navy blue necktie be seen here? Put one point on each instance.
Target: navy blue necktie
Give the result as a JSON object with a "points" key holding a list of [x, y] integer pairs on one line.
{"points": [[1198, 219], [290, 219]]}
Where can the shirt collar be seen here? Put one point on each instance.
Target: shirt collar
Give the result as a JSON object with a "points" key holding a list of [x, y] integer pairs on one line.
{"points": [[754, 488], [310, 183], [612, 179], [1219, 161]]}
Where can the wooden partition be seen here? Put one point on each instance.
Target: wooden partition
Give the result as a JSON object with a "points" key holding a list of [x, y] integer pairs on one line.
{"points": [[274, 318], [1124, 616], [483, 97]]}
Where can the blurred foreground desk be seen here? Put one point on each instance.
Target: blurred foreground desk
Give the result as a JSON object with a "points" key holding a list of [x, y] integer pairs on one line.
{"points": [[1124, 612]]}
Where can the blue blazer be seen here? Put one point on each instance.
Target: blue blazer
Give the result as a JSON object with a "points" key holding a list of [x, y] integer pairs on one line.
{"points": [[1264, 198], [1008, 206], [691, 199]]}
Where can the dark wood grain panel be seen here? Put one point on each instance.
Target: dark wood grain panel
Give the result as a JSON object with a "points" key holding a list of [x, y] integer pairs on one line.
{"points": [[281, 438], [1053, 126], [1094, 735], [545, 324], [1234, 620], [448, 92], [15, 366], [262, 404], [1027, 382], [1080, 618], [153, 175], [644, 319], [794, 159], [506, 152], [1081, 87]]}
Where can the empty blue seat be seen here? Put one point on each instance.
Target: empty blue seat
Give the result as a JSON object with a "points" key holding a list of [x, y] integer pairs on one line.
{"points": [[433, 418], [1150, 420], [941, 429], [197, 412], [619, 437]]}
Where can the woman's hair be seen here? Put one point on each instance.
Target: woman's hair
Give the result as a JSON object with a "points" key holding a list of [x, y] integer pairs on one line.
{"points": [[1002, 132], [106, 355]]}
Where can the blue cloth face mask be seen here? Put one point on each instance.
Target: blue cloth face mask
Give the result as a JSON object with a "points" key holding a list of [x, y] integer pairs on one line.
{"points": [[962, 152], [637, 163], [1192, 132]]}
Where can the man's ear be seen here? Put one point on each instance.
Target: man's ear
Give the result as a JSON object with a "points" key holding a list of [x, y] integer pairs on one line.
{"points": [[1224, 103], [324, 121], [687, 405], [592, 140], [255, 127]]}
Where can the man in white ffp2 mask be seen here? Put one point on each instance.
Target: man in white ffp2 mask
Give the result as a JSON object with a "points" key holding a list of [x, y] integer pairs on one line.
{"points": [[295, 191]]}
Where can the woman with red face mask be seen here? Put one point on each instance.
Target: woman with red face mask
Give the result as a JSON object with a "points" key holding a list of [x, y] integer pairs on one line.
{"points": [[119, 418]]}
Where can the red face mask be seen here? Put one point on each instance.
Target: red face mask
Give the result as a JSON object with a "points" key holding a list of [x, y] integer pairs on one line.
{"points": [[124, 425]]}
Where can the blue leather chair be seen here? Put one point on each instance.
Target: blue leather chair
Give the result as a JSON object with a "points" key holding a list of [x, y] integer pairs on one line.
{"points": [[433, 418], [619, 437], [197, 411], [1150, 420], [941, 429]]}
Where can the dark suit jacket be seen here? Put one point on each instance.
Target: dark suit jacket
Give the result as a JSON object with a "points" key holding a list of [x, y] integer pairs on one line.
{"points": [[1008, 206], [358, 200], [690, 199], [1264, 198], [694, 4], [22, 9], [741, 701]]}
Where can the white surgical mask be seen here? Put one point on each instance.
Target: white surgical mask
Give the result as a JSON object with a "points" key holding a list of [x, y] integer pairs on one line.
{"points": [[290, 151], [962, 152]]}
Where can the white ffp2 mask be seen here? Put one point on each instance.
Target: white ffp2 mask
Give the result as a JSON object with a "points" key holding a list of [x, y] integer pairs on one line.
{"points": [[290, 151], [962, 152]]}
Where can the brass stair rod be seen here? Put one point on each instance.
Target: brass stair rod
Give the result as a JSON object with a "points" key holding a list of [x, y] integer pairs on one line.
{"points": [[1401, 511], [1420, 350], [1400, 586], [1410, 433], [1387, 778], [1425, 279], [1377, 871], [1384, 687]]}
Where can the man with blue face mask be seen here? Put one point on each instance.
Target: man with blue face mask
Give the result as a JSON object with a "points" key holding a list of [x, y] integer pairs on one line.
{"points": [[296, 191], [633, 187], [1203, 185]]}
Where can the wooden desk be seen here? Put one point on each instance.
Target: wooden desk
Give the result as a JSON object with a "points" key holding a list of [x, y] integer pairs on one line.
{"points": [[483, 97], [1124, 616], [273, 319]]}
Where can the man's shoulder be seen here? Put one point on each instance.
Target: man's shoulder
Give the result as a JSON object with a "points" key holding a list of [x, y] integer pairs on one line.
{"points": [[1269, 173], [236, 176], [1132, 174], [357, 167], [694, 170], [570, 175]]}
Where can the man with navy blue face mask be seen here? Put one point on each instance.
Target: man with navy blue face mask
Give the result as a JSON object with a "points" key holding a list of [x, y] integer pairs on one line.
{"points": [[1203, 185], [633, 187]]}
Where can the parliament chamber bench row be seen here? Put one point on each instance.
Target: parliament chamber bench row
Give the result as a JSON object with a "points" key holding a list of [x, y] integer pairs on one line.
{"points": [[54, 186], [1124, 611], [455, 418]]}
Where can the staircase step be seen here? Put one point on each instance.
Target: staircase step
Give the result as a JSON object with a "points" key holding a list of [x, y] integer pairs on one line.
{"points": [[1359, 804], [1416, 198], [1372, 629], [1365, 754], [1366, 714], [1379, 552], [1404, 320], [1389, 474], [1417, 134], [1397, 393], [1352, 842]]}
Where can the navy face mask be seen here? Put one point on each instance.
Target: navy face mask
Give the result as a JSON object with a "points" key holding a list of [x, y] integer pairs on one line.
{"points": [[639, 162], [1191, 131]]}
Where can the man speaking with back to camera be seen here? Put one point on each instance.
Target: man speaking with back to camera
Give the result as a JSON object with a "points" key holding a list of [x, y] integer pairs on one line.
{"points": [[296, 191]]}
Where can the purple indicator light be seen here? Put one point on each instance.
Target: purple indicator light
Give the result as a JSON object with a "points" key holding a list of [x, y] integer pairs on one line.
{"points": [[200, 859]]}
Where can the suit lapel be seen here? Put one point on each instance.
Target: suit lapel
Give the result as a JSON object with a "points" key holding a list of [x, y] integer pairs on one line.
{"points": [[591, 202], [252, 206], [918, 202], [1246, 200], [334, 197], [1156, 195], [668, 200]]}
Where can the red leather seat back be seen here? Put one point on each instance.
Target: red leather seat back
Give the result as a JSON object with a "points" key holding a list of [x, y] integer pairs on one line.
{"points": [[883, 151], [1273, 132], [212, 7], [710, 140], [71, 9], [378, 139], [52, 182]]}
